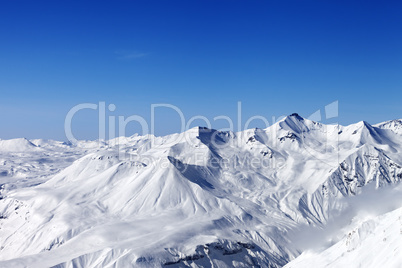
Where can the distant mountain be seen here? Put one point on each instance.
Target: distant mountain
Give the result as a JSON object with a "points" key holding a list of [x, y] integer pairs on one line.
{"points": [[17, 145], [202, 198], [394, 125]]}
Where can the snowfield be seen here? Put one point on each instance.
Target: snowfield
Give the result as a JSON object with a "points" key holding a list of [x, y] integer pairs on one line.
{"points": [[297, 194]]}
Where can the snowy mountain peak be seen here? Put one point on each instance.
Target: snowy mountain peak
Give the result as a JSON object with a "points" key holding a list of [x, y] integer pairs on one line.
{"points": [[296, 124], [297, 116], [17, 145], [393, 125]]}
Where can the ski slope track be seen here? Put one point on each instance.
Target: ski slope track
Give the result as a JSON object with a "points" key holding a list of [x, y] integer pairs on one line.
{"points": [[297, 194]]}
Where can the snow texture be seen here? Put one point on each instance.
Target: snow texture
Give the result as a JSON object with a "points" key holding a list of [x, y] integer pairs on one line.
{"points": [[206, 198]]}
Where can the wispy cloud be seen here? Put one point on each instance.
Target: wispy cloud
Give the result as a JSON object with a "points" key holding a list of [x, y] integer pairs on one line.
{"points": [[129, 55], [370, 203]]}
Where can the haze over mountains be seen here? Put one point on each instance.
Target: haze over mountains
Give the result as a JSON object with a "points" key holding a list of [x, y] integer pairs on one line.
{"points": [[297, 194]]}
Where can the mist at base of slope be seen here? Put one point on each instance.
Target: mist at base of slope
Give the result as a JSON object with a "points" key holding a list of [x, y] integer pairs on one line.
{"points": [[371, 203]]}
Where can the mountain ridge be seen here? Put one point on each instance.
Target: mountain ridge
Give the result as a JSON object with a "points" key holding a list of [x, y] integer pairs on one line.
{"points": [[202, 197]]}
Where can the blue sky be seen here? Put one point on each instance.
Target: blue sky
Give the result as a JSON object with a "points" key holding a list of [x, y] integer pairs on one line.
{"points": [[276, 57]]}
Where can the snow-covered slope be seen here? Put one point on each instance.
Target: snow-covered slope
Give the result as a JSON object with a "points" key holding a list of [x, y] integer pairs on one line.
{"points": [[394, 125], [17, 145], [202, 198], [368, 241]]}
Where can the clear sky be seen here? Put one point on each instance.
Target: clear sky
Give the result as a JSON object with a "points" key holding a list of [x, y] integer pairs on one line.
{"points": [[276, 57]]}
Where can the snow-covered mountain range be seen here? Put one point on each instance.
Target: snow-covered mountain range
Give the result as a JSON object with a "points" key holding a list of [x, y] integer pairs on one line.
{"points": [[297, 194]]}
